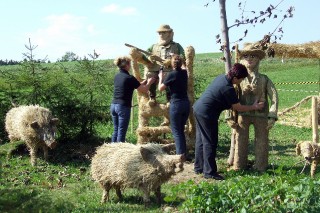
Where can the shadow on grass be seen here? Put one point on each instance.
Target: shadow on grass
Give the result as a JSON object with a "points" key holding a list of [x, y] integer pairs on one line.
{"points": [[30, 200], [281, 148], [273, 170], [76, 151]]}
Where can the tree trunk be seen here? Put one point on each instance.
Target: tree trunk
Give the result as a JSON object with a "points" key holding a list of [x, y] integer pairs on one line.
{"points": [[225, 34], [226, 51]]}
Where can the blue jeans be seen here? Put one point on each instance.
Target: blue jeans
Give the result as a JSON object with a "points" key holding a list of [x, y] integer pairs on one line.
{"points": [[179, 113], [206, 145], [120, 116]]}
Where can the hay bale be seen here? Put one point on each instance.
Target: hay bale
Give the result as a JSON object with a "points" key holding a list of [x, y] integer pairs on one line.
{"points": [[305, 50]]}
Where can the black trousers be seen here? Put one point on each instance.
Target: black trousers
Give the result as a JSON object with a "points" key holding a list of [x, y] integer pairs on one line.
{"points": [[206, 145]]}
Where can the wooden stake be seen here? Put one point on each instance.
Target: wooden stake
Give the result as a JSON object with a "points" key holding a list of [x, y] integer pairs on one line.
{"points": [[314, 108]]}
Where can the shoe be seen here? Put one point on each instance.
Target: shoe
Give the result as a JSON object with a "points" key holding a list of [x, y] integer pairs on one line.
{"points": [[197, 172], [216, 176]]}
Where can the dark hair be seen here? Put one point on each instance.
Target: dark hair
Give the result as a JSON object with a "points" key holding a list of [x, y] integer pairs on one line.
{"points": [[237, 70], [176, 62]]}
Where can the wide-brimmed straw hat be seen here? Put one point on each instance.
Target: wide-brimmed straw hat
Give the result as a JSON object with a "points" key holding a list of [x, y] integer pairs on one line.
{"points": [[164, 28], [252, 50]]}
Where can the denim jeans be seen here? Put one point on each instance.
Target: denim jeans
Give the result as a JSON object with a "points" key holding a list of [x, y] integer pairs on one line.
{"points": [[120, 116], [206, 146], [179, 113]]}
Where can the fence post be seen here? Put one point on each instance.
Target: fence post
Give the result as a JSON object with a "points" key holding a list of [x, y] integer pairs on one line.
{"points": [[314, 108], [131, 116]]}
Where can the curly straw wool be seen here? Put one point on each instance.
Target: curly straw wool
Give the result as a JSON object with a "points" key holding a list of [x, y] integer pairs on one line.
{"points": [[18, 123], [122, 165]]}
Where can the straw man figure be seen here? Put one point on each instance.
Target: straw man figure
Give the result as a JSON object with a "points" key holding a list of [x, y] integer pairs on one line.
{"points": [[256, 87], [160, 58]]}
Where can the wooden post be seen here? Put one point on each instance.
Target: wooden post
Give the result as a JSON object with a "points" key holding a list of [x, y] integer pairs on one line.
{"points": [[314, 108], [235, 117], [131, 115]]}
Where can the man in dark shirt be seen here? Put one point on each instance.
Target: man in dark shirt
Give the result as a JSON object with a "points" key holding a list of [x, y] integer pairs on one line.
{"points": [[220, 95]]}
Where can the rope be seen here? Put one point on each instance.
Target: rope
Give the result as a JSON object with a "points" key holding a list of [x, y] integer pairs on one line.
{"points": [[295, 106], [305, 165]]}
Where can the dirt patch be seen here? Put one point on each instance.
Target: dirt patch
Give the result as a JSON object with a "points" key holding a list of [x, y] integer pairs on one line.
{"points": [[187, 174]]}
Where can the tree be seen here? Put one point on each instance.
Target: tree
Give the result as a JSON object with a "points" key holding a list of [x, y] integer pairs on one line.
{"points": [[69, 56]]}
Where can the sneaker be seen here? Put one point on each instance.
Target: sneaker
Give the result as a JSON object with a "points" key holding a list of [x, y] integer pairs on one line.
{"points": [[216, 176]]}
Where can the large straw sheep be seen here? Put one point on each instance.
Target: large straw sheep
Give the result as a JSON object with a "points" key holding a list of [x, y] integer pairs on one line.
{"points": [[145, 167], [35, 126]]}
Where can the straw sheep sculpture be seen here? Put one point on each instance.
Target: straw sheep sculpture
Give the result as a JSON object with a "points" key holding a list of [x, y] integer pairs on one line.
{"points": [[310, 152], [35, 126], [124, 165]]}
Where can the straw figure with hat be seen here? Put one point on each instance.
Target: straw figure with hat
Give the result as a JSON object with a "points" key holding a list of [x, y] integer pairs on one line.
{"points": [[156, 58], [162, 50], [255, 87]]}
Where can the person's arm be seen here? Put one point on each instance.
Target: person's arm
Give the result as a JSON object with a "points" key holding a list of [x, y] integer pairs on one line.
{"points": [[145, 87], [244, 108], [161, 85]]}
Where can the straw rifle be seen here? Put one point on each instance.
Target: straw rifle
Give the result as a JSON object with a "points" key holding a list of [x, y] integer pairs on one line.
{"points": [[154, 57]]}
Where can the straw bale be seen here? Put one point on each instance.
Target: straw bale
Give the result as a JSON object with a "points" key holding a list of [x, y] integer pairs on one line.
{"points": [[305, 50], [145, 167], [158, 110], [145, 131]]}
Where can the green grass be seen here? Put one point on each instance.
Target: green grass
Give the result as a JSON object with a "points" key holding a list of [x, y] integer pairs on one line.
{"points": [[64, 184]]}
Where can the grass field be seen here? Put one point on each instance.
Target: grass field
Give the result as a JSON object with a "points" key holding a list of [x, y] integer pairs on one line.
{"points": [[64, 183]]}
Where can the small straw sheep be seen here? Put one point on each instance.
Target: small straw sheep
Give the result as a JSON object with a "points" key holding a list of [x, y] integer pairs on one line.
{"points": [[311, 153], [145, 167], [35, 126]]}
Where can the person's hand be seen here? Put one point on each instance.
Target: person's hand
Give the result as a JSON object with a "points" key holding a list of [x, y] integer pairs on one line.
{"points": [[144, 82], [258, 105], [151, 81], [154, 58], [167, 62], [271, 122], [231, 123]]}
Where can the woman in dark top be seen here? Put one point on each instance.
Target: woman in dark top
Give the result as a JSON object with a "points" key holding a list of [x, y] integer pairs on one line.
{"points": [[124, 84], [220, 95], [177, 82]]}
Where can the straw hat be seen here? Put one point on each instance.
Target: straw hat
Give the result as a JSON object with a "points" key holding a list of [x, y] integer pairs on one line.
{"points": [[164, 28], [252, 50]]}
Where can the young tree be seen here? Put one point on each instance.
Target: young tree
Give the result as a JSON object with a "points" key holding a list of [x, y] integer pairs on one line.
{"points": [[253, 18]]}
